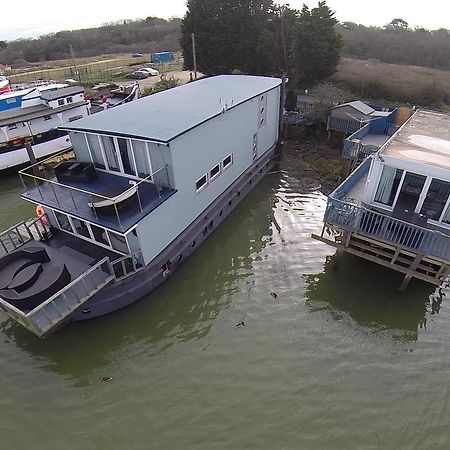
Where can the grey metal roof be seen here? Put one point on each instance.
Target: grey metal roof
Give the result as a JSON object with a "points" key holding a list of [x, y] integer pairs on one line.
{"points": [[164, 116], [62, 92], [358, 105]]}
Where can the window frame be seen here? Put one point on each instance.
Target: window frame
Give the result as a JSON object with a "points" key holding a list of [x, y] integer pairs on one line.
{"points": [[226, 166], [219, 171], [199, 189]]}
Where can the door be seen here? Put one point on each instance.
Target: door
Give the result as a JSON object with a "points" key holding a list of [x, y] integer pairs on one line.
{"points": [[409, 193]]}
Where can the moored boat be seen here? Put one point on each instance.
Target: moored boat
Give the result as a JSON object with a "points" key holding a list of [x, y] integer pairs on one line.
{"points": [[149, 182]]}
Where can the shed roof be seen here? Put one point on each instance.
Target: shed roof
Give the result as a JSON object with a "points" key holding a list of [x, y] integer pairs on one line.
{"points": [[164, 116], [358, 105]]}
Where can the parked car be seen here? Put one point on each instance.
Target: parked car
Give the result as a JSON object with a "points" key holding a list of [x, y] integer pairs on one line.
{"points": [[149, 70], [137, 55], [137, 75]]}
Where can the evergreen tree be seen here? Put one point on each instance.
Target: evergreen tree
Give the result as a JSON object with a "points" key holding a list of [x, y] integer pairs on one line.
{"points": [[230, 35], [318, 46]]}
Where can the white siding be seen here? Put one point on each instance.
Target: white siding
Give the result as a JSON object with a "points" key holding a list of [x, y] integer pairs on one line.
{"points": [[194, 154]]}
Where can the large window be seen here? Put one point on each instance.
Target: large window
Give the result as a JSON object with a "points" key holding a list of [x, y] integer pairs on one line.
{"points": [[96, 151], [110, 153], [388, 185], [63, 221], [126, 154], [142, 158], [436, 199]]}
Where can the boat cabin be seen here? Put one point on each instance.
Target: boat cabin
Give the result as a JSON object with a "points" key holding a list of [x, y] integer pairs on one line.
{"points": [[395, 207]]}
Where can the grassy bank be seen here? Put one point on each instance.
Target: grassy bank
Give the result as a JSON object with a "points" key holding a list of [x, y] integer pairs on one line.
{"points": [[395, 83]]}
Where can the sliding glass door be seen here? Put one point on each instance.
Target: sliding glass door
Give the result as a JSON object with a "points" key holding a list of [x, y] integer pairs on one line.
{"points": [[388, 185]]}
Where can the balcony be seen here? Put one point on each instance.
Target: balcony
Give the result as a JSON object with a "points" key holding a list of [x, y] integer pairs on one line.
{"points": [[108, 199], [346, 211]]}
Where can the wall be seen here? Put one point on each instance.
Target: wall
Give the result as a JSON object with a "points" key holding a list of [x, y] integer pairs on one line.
{"points": [[194, 154]]}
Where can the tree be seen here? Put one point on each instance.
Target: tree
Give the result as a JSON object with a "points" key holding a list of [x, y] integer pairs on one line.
{"points": [[229, 35], [318, 45], [397, 24]]}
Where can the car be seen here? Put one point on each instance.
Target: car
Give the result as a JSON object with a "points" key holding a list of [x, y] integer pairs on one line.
{"points": [[152, 72], [137, 75], [137, 55]]}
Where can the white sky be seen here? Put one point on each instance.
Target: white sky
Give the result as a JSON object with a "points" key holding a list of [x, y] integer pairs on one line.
{"points": [[34, 18]]}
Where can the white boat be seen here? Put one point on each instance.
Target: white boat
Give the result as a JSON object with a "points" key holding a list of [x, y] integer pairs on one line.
{"points": [[32, 116]]}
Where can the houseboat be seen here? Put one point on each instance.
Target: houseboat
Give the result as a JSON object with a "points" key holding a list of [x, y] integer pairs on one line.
{"points": [[149, 182], [394, 209], [32, 116]]}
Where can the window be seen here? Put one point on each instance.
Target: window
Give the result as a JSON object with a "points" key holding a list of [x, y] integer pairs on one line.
{"points": [[436, 199], [227, 161], [13, 126], [61, 102], [388, 185], [215, 171], [47, 117], [69, 99], [11, 100], [96, 151], [71, 119], [81, 227], [118, 242], [201, 183], [142, 158], [63, 221], [110, 152], [99, 235], [126, 156]]}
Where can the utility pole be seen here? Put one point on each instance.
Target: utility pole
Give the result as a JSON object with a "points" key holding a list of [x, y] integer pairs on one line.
{"points": [[74, 65], [194, 56]]}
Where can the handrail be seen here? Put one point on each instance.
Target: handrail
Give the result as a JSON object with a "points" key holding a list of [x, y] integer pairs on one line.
{"points": [[113, 199], [370, 222], [72, 283], [55, 155]]}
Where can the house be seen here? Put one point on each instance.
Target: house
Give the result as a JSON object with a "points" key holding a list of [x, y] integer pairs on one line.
{"points": [[394, 209]]}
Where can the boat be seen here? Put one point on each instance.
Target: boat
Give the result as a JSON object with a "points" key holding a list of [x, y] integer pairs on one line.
{"points": [[394, 208], [147, 183], [123, 93], [31, 115], [4, 84]]}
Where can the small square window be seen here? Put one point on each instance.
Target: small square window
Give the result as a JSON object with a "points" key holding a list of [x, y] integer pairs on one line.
{"points": [[201, 183], [69, 99], [227, 161], [61, 102], [214, 172]]}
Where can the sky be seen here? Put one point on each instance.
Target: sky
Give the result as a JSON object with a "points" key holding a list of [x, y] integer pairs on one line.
{"points": [[46, 16]]}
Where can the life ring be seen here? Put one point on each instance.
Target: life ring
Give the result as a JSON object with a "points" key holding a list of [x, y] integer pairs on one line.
{"points": [[41, 214]]}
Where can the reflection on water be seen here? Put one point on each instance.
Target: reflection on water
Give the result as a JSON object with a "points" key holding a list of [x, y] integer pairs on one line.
{"points": [[182, 309], [368, 293]]}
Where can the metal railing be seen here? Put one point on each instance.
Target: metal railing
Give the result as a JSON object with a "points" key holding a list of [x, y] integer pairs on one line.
{"points": [[344, 125], [22, 232], [127, 265], [86, 201], [49, 314], [388, 229]]}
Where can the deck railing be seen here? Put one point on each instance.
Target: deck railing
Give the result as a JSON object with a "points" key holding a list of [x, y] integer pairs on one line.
{"points": [[15, 236], [126, 265], [345, 213], [51, 313], [344, 125], [39, 175]]}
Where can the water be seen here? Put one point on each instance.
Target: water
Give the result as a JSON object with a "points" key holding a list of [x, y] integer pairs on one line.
{"points": [[337, 360]]}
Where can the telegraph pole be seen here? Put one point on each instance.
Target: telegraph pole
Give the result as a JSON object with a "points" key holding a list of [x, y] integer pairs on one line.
{"points": [[194, 56]]}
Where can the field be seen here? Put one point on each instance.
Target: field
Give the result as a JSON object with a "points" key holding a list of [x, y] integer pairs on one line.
{"points": [[395, 83], [88, 71]]}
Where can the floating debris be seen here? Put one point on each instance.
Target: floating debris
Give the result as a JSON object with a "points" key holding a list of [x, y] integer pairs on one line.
{"points": [[273, 294], [240, 324], [104, 379]]}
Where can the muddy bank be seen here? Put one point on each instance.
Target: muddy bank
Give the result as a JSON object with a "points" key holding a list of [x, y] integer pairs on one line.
{"points": [[317, 162]]}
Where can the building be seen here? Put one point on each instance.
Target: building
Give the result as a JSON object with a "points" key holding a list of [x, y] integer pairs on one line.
{"points": [[394, 209]]}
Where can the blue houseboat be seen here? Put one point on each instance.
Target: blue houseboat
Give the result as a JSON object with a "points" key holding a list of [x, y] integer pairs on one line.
{"points": [[149, 182], [394, 209]]}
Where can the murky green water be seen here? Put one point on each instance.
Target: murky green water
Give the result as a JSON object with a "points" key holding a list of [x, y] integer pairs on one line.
{"points": [[338, 360]]}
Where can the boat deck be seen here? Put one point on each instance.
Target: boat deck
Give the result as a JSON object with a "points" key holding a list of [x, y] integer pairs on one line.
{"points": [[75, 197]]}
